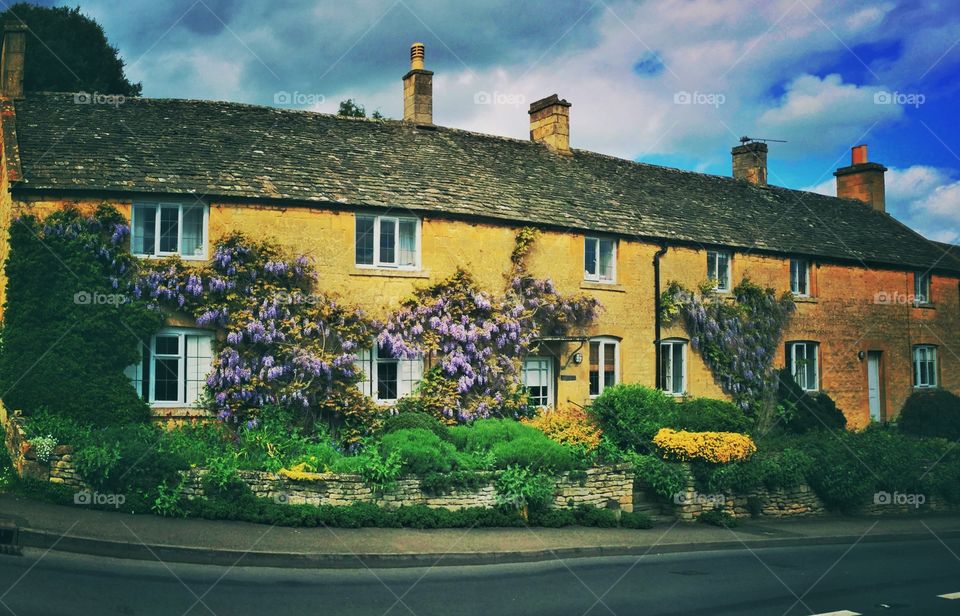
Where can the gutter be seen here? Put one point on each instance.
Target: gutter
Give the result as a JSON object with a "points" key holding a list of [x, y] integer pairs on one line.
{"points": [[656, 310]]}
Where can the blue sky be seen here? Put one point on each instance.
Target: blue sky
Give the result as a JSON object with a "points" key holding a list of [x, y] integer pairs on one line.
{"points": [[672, 82]]}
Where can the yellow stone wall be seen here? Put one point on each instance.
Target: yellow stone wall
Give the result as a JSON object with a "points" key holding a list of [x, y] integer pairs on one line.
{"points": [[843, 316]]}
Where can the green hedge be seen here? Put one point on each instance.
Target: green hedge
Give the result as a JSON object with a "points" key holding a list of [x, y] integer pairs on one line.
{"points": [[931, 413]]}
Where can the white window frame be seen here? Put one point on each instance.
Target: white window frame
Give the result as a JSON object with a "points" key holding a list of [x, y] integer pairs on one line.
{"points": [[807, 345], [797, 263], [158, 206], [713, 267], [544, 369], [378, 222], [369, 360], [932, 359], [666, 357], [922, 285], [135, 372], [598, 276], [603, 342]]}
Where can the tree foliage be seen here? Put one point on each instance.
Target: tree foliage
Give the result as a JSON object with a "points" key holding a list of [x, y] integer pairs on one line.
{"points": [[69, 52]]}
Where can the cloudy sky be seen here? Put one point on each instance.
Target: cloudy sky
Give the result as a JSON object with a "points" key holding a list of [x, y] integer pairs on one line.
{"points": [[672, 82]]}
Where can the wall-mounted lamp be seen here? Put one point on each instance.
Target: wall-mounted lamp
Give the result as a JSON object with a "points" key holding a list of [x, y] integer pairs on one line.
{"points": [[578, 358], [861, 355]]}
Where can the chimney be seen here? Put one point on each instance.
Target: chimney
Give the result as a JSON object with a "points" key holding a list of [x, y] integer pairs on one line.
{"points": [[550, 123], [750, 162], [418, 90], [11, 59], [862, 180]]}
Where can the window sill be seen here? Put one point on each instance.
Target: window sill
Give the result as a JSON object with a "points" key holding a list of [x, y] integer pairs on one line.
{"points": [[925, 306], [173, 411], [181, 257], [390, 273], [592, 285], [805, 299]]}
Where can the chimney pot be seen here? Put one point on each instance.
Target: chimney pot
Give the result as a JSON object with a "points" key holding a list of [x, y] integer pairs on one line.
{"points": [[862, 180], [550, 123], [750, 162], [418, 90], [12, 59], [858, 154]]}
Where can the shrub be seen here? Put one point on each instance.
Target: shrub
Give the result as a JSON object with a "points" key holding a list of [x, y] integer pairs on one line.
{"points": [[630, 415], [931, 413], [805, 411], [665, 478], [768, 468], [635, 519], [96, 461], [534, 453], [420, 450], [709, 415], [483, 434], [714, 447], [141, 466], [567, 425], [518, 487], [454, 481], [717, 517], [53, 270], [404, 421], [44, 446]]}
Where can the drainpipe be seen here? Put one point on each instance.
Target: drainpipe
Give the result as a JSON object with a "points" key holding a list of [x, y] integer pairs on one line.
{"points": [[656, 309]]}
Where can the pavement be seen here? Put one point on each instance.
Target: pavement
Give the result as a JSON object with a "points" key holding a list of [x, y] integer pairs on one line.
{"points": [[147, 537]]}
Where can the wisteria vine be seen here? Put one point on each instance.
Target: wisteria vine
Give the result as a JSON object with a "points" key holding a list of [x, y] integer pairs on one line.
{"points": [[737, 340]]}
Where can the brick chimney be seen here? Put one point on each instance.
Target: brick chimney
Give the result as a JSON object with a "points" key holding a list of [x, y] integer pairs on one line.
{"points": [[550, 123], [862, 180], [750, 162], [418, 89], [11, 59]]}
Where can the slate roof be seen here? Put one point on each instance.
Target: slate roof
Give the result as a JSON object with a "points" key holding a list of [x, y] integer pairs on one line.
{"points": [[231, 150]]}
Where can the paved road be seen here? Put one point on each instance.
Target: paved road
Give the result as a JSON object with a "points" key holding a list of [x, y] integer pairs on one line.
{"points": [[905, 576]]}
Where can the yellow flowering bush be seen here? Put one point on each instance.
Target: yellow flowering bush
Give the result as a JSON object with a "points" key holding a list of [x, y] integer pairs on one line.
{"points": [[715, 447], [567, 425]]}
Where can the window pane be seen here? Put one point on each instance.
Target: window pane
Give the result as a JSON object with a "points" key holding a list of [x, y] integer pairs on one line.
{"points": [[408, 243], [386, 380], [609, 364], [811, 377], [677, 364], [167, 345], [169, 228], [665, 367], [590, 257], [166, 379], [388, 240], [364, 240], [144, 229], [723, 263], [606, 259], [198, 363], [192, 231], [594, 368], [411, 373]]}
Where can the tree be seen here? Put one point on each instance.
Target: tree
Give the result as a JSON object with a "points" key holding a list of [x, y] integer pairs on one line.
{"points": [[352, 109], [69, 52]]}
